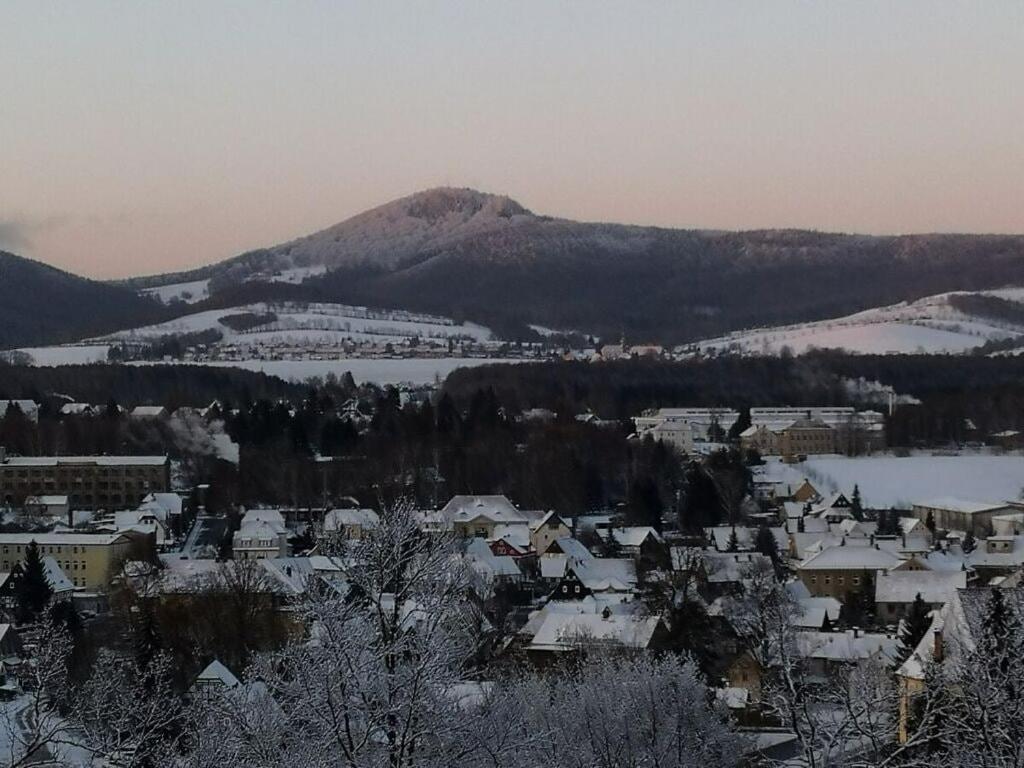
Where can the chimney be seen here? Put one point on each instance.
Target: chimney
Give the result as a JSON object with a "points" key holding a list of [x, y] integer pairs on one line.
{"points": [[938, 650]]}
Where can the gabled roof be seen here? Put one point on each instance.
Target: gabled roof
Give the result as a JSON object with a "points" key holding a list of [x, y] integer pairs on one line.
{"points": [[565, 631], [55, 576], [335, 519], [217, 673], [904, 586], [462, 509], [849, 646], [603, 574], [634, 536], [851, 557]]}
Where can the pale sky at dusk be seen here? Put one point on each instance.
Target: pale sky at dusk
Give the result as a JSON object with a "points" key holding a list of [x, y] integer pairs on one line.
{"points": [[142, 137]]}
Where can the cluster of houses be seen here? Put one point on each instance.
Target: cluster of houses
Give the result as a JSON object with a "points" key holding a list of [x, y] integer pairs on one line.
{"points": [[779, 431]]}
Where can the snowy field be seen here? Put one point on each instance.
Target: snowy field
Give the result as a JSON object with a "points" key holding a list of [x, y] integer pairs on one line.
{"points": [[69, 355], [190, 293], [320, 322], [928, 325], [890, 481], [405, 370]]}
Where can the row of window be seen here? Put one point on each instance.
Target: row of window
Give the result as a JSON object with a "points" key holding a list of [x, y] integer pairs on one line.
{"points": [[840, 580]]}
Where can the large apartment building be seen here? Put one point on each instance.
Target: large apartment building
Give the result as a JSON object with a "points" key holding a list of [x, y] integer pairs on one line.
{"points": [[89, 482], [90, 560]]}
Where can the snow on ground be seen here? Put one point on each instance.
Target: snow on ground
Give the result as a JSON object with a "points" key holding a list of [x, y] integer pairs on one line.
{"points": [[928, 325], [190, 293], [892, 481], [69, 355], [296, 275], [327, 321], [402, 371]]}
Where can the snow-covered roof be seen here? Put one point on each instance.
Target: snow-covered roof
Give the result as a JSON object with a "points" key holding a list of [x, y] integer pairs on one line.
{"points": [[517, 534], [848, 646], [336, 519], [851, 557], [217, 674], [731, 567], [964, 506], [148, 411], [634, 536], [495, 508], [573, 548], [604, 574], [55, 576], [812, 611], [100, 461], [482, 560], [904, 586], [564, 631]]}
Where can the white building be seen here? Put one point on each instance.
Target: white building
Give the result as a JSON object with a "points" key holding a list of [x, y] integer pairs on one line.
{"points": [[262, 534]]}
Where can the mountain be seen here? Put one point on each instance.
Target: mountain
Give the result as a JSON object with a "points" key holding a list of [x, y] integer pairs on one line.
{"points": [[43, 305], [486, 258]]}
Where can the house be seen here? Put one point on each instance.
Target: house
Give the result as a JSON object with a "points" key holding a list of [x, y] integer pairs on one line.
{"points": [[584, 578], [1008, 439], [485, 563], [559, 629], [144, 520], [149, 412], [953, 514], [824, 653], [896, 591], [353, 524], [837, 571], [213, 680], [164, 506], [61, 586], [726, 572], [547, 530], [477, 516], [997, 556], [80, 409], [261, 534], [638, 540]]}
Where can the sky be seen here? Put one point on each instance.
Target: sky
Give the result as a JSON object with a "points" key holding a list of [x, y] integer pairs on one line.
{"points": [[139, 138]]}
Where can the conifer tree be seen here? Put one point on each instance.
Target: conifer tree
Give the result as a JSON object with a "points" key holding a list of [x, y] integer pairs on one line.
{"points": [[33, 591], [734, 542], [856, 506]]}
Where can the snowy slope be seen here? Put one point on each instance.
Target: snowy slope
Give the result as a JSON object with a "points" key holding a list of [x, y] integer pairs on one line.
{"points": [[311, 323], [928, 325], [190, 292]]}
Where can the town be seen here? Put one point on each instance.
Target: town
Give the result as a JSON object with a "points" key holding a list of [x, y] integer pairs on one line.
{"points": [[718, 556]]}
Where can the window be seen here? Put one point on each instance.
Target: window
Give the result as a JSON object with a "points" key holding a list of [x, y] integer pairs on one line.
{"points": [[856, 581], [828, 580]]}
